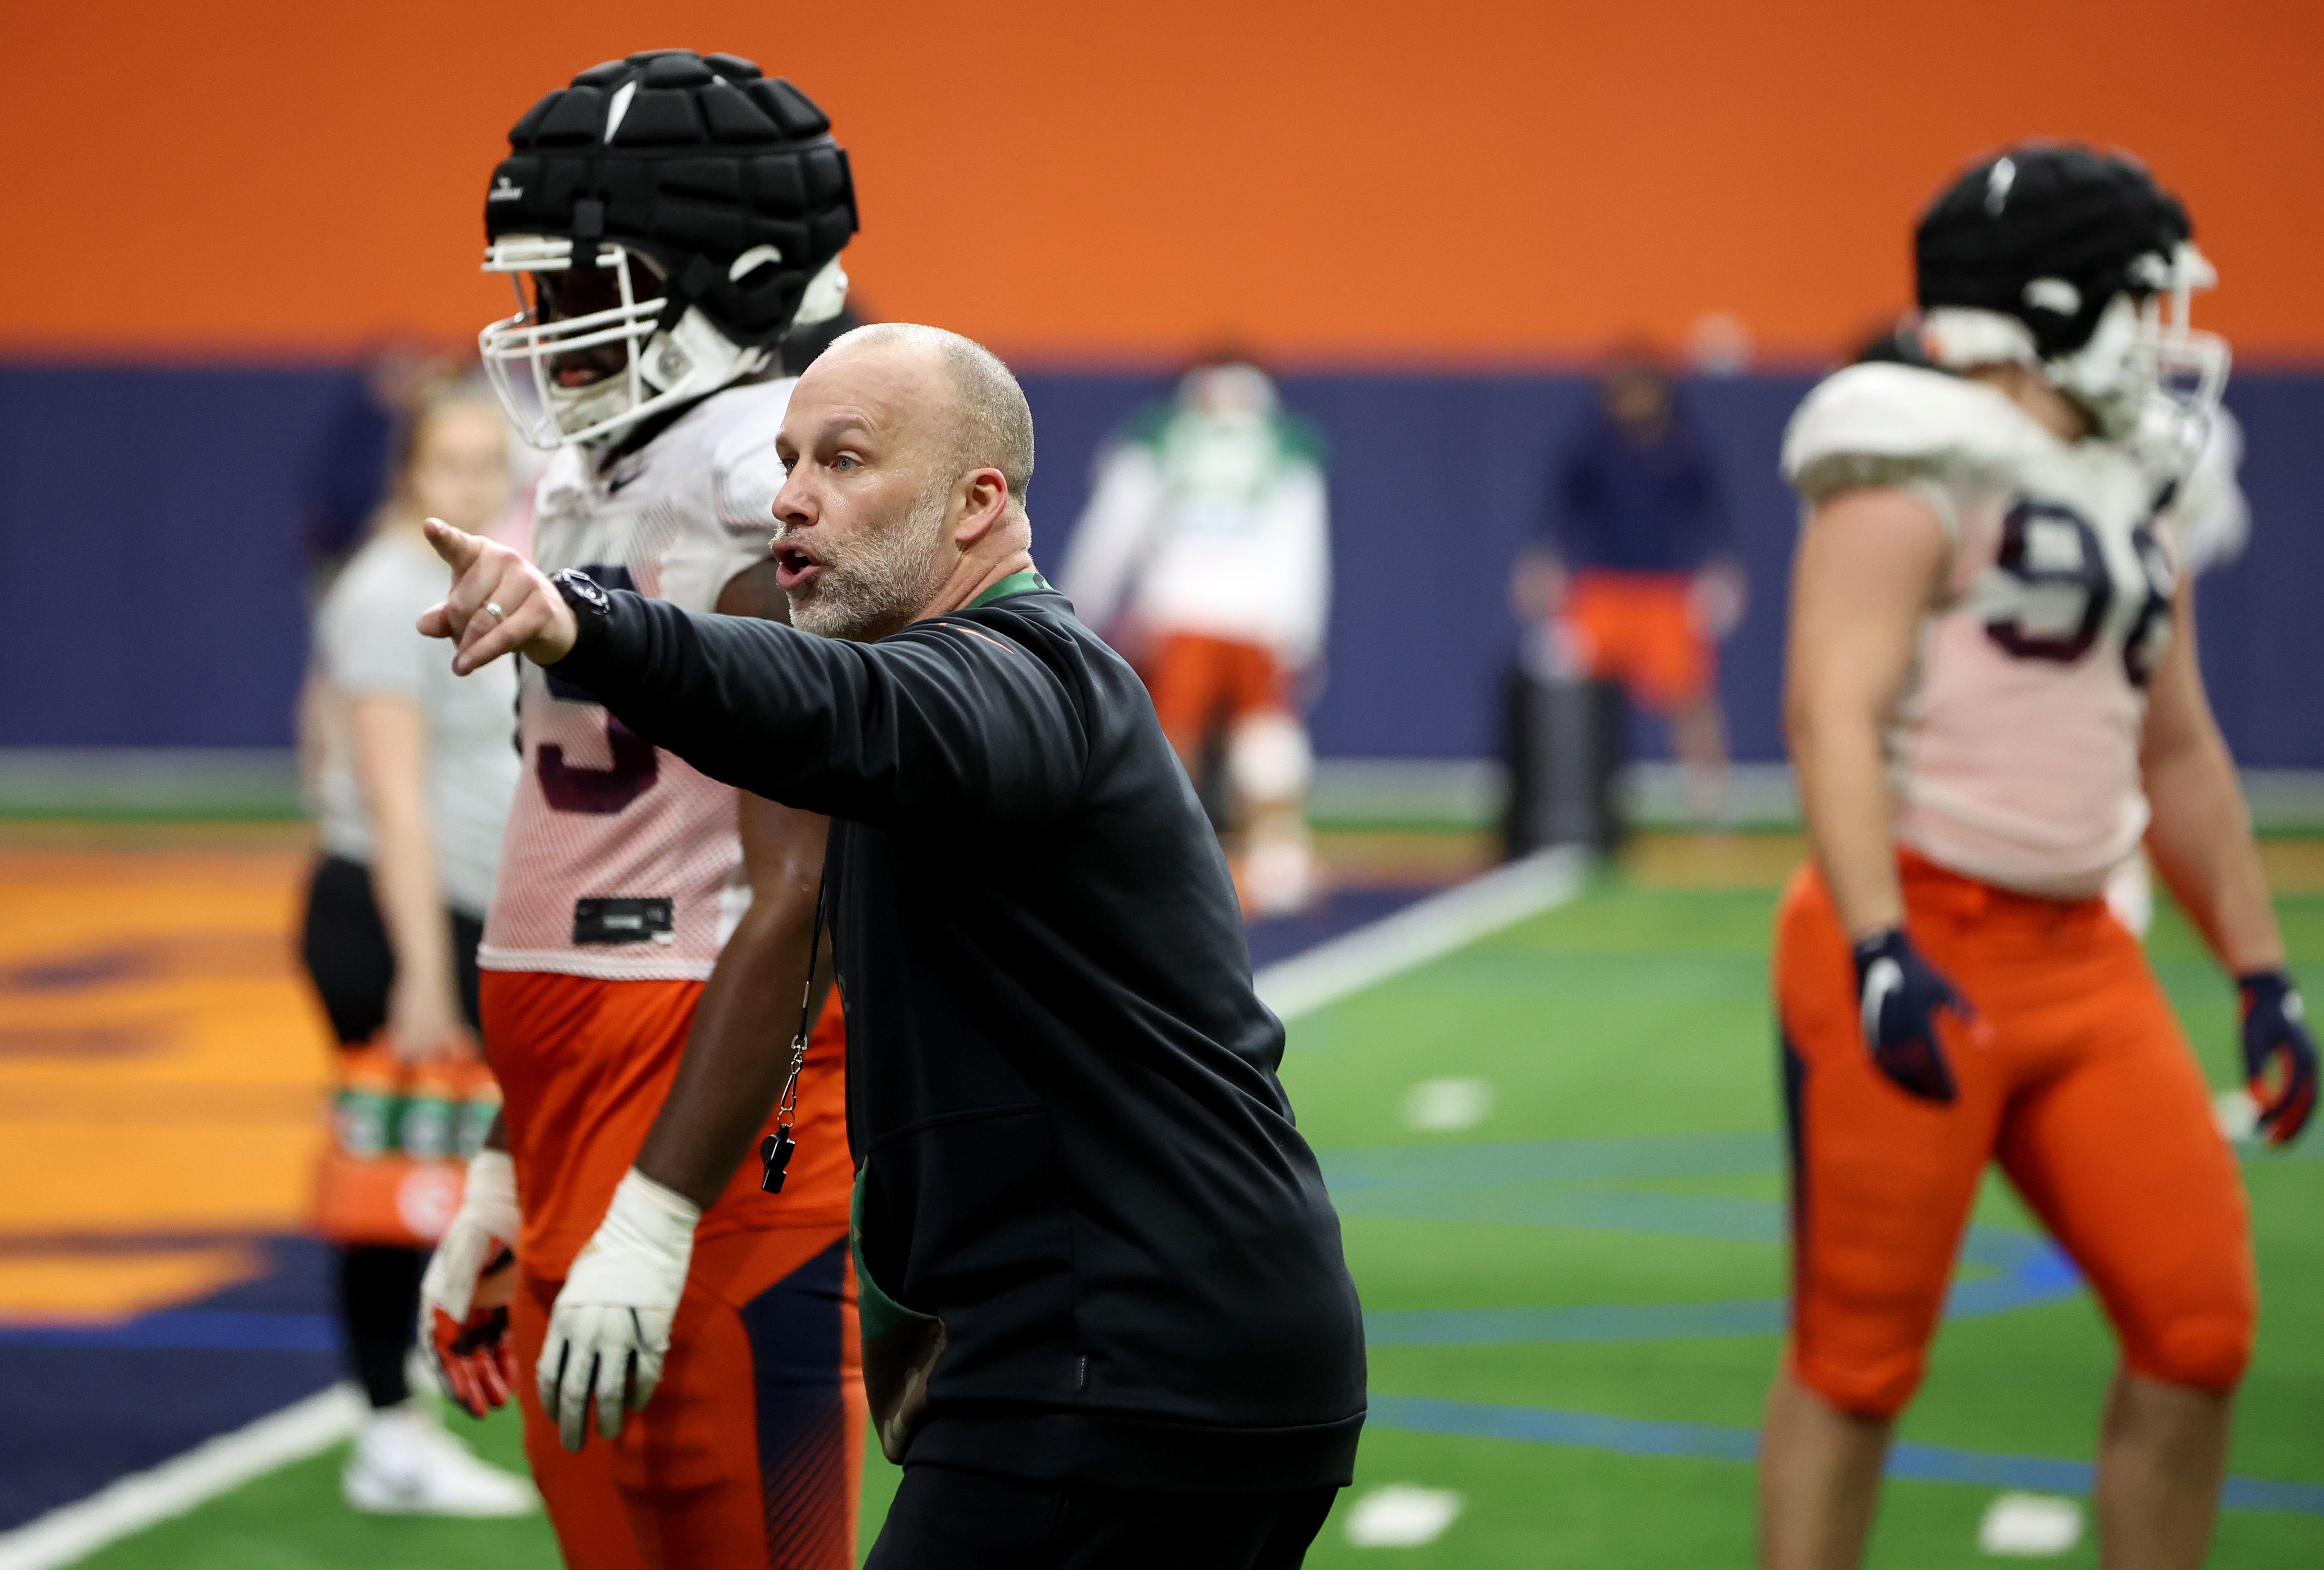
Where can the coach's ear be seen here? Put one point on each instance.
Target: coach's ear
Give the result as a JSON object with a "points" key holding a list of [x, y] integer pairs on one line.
{"points": [[982, 498]]}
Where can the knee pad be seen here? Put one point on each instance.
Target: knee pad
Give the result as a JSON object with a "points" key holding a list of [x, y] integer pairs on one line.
{"points": [[2205, 1351], [1269, 760]]}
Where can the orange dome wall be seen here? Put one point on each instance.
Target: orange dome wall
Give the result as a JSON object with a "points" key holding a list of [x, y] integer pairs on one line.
{"points": [[1450, 183]]}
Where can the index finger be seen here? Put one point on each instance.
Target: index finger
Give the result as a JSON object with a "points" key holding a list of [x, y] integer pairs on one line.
{"points": [[457, 547]]}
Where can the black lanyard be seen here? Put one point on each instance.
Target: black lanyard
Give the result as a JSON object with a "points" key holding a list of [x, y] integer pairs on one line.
{"points": [[775, 1149]]}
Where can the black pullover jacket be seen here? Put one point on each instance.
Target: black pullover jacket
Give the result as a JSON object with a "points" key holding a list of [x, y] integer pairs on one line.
{"points": [[1071, 1143]]}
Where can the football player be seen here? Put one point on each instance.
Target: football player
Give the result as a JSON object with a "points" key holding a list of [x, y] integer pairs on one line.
{"points": [[667, 218], [1993, 698], [1209, 524]]}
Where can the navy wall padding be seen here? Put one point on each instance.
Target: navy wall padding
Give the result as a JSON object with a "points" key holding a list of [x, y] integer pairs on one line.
{"points": [[148, 573], [151, 597]]}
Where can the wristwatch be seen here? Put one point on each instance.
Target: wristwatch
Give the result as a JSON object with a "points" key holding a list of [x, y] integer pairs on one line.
{"points": [[589, 602]]}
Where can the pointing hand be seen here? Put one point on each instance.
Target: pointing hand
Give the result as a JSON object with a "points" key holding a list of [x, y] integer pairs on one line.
{"points": [[499, 602]]}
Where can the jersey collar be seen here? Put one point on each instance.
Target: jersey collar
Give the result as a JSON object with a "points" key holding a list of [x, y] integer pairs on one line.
{"points": [[1017, 583]]}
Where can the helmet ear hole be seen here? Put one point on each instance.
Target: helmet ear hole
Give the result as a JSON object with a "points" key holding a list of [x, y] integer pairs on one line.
{"points": [[2055, 295], [751, 261]]}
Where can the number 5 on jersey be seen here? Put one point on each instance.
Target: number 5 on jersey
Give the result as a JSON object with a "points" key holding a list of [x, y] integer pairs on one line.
{"points": [[573, 788]]}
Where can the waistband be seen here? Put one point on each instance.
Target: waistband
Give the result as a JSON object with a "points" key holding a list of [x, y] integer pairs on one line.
{"points": [[1934, 888], [1634, 579]]}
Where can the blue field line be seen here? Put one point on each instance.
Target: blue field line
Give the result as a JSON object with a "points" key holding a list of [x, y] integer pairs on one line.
{"points": [[189, 1329], [2042, 1273], [1349, 1170], [1716, 1442], [1593, 1322]]}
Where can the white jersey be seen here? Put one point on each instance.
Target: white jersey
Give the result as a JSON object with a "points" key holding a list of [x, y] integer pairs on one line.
{"points": [[621, 861], [1216, 526], [2014, 753]]}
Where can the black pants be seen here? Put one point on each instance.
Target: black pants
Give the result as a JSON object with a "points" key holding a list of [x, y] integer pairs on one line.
{"points": [[948, 1519], [345, 947]]}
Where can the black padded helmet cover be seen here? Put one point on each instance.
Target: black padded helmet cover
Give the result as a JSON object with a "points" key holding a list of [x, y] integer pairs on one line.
{"points": [[2046, 210], [694, 159]]}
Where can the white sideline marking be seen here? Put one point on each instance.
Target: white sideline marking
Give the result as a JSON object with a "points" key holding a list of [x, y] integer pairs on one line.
{"points": [[70, 1533], [1419, 933], [2030, 1525], [1438, 1105], [1291, 987], [1403, 1515]]}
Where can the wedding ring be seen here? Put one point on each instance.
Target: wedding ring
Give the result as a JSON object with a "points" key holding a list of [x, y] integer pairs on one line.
{"points": [[498, 615]]}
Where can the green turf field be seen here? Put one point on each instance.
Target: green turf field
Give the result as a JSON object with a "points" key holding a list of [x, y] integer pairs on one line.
{"points": [[1628, 1159]]}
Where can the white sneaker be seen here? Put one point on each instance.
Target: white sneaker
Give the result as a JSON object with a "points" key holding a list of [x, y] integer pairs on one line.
{"points": [[403, 1463]]}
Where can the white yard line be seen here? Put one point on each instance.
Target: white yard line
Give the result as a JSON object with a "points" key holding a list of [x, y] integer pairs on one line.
{"points": [[70, 1533], [1292, 987], [1419, 933]]}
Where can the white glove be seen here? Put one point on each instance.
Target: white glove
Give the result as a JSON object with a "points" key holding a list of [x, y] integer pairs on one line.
{"points": [[464, 1297], [610, 1329]]}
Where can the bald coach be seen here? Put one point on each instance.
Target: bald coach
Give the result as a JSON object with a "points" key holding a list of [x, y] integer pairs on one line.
{"points": [[1098, 1269]]}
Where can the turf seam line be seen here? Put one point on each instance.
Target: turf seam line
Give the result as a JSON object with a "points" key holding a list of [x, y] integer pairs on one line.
{"points": [[1419, 933], [72, 1532]]}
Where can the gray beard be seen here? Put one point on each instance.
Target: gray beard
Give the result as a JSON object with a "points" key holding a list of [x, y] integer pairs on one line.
{"points": [[872, 587]]}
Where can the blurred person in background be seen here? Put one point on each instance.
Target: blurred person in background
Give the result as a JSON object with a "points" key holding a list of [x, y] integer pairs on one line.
{"points": [[2206, 513], [415, 779], [1633, 578], [350, 470], [1205, 554], [1992, 697]]}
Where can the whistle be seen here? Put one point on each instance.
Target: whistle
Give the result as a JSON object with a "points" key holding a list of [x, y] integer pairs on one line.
{"points": [[775, 1153]]}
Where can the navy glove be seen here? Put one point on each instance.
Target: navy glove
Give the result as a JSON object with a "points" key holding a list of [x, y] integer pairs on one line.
{"points": [[1900, 995], [2275, 1026]]}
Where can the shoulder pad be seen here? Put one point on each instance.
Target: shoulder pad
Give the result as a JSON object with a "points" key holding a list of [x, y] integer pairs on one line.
{"points": [[1885, 424], [745, 471]]}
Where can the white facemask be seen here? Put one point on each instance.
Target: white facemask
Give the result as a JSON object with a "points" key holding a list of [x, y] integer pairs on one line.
{"points": [[2144, 376], [660, 370]]}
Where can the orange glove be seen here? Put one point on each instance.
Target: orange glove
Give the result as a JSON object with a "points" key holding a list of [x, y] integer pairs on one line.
{"points": [[464, 1297]]}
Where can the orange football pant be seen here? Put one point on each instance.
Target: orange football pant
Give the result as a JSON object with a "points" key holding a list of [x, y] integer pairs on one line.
{"points": [[2084, 1092], [750, 1453], [1198, 681], [1638, 628]]}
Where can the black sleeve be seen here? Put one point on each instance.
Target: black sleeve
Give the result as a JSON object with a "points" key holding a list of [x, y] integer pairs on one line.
{"points": [[948, 715]]}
